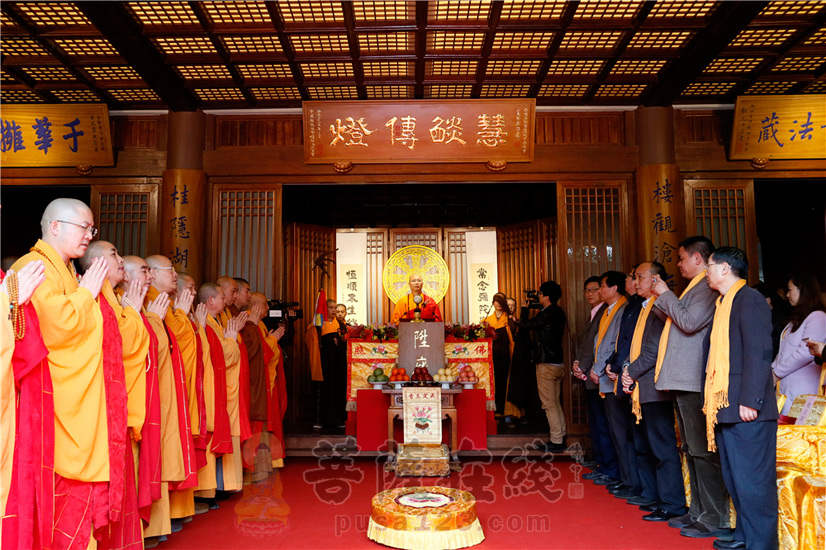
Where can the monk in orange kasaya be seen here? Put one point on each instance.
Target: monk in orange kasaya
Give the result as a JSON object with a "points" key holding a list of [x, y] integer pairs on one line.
{"points": [[72, 328], [406, 306]]}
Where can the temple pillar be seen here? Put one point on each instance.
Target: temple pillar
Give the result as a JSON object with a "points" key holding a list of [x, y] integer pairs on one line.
{"points": [[660, 202], [184, 194]]}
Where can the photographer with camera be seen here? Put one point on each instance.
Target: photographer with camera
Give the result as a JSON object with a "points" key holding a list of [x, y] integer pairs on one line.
{"points": [[546, 329]]}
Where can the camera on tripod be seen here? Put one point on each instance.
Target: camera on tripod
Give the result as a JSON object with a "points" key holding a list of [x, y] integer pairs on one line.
{"points": [[532, 297], [282, 313]]}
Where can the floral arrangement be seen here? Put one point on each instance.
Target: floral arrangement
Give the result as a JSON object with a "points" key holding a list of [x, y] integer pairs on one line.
{"points": [[468, 333], [375, 332], [382, 333]]}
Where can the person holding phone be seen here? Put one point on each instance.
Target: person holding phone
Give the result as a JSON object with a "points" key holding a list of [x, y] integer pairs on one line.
{"points": [[794, 367]]}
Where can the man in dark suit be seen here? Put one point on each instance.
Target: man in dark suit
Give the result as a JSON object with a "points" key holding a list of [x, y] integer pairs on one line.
{"points": [[605, 457], [656, 442], [746, 427], [637, 479]]}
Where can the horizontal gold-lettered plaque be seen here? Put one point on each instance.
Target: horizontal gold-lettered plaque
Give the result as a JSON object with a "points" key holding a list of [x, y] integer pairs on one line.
{"points": [[55, 135], [779, 127], [478, 130]]}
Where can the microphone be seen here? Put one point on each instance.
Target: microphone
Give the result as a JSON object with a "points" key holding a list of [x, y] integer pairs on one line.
{"points": [[417, 300]]}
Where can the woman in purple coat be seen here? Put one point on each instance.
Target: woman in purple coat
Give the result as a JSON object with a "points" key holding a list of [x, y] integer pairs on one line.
{"points": [[794, 367]]}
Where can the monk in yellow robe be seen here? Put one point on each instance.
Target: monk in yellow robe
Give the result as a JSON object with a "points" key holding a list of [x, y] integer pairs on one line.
{"points": [[29, 278], [207, 482], [231, 465], [135, 345], [71, 325], [406, 306], [173, 469], [147, 444]]}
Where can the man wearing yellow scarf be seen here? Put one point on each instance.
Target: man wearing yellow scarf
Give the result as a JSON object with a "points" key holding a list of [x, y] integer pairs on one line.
{"points": [[739, 401], [654, 409], [612, 292], [680, 371]]}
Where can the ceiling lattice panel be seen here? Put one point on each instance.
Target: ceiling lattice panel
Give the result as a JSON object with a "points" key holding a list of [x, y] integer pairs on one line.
{"points": [[190, 55]]}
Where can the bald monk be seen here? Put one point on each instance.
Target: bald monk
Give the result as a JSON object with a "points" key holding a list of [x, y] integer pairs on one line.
{"points": [[26, 458], [147, 447], [207, 483], [134, 347], [229, 470], [173, 447], [230, 288], [255, 350], [276, 383], [183, 361], [406, 306], [71, 324], [196, 398]]}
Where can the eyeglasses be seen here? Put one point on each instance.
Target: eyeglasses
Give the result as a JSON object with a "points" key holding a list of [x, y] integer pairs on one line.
{"points": [[169, 268], [709, 264], [87, 228], [591, 290]]}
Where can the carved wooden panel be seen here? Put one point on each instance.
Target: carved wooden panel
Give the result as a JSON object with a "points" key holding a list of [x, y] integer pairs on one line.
{"points": [[134, 132], [697, 127], [456, 300], [723, 211], [304, 244], [580, 128], [127, 217], [246, 228], [593, 220], [244, 131]]}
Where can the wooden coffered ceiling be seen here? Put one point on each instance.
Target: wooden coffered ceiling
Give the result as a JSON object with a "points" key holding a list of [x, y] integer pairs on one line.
{"points": [[189, 55]]}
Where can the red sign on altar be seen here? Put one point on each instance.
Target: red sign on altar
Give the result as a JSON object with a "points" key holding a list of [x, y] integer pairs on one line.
{"points": [[479, 130]]}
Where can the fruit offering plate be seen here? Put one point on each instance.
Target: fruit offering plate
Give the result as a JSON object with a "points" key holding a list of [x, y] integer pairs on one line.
{"points": [[468, 385], [422, 383], [425, 518], [379, 385]]}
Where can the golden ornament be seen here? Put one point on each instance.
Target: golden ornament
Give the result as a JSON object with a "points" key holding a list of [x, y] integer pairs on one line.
{"points": [[411, 260]]}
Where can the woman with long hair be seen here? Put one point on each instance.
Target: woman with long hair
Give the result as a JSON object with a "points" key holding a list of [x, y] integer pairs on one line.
{"points": [[502, 349], [794, 367]]}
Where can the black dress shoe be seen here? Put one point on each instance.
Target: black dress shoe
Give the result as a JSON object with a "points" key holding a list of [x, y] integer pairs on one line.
{"points": [[625, 493], [681, 521], [728, 544], [660, 515], [648, 507], [591, 475], [642, 501], [614, 487], [604, 480]]}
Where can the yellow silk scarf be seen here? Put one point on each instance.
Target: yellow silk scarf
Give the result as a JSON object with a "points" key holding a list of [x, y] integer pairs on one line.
{"points": [[605, 322], [636, 347], [717, 370], [667, 328]]}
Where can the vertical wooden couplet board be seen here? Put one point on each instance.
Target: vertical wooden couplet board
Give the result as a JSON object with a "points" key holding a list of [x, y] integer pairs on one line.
{"points": [[422, 345]]}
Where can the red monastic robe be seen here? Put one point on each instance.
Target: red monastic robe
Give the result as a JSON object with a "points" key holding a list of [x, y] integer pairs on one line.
{"points": [[184, 425], [29, 516], [149, 465], [221, 437]]}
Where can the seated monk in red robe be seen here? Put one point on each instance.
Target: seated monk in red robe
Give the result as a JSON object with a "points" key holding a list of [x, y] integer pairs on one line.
{"points": [[406, 307]]}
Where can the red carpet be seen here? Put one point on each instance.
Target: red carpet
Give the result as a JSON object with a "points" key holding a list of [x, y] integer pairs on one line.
{"points": [[522, 502]]}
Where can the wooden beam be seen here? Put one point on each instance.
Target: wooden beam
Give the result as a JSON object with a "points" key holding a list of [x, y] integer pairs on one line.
{"points": [[726, 23], [115, 22]]}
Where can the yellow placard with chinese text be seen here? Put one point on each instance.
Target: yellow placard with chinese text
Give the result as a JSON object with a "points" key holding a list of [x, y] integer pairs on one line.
{"points": [[419, 131], [55, 135], [779, 127]]}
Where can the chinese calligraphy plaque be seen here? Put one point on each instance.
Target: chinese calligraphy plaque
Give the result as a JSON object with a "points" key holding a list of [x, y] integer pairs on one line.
{"points": [[419, 131], [55, 135], [779, 127]]}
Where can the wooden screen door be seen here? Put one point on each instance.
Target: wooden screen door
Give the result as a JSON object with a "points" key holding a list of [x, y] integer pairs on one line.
{"points": [[127, 216], [723, 211], [304, 244]]}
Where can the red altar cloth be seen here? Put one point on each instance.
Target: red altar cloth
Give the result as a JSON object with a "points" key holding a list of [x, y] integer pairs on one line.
{"points": [[371, 421]]}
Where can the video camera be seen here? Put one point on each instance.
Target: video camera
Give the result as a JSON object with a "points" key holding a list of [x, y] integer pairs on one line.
{"points": [[532, 297], [282, 313]]}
